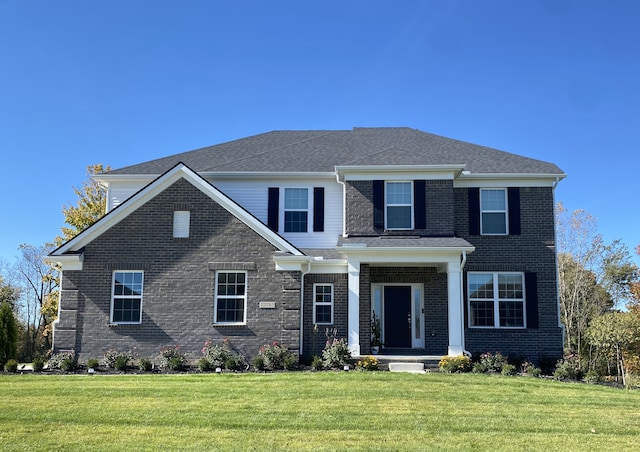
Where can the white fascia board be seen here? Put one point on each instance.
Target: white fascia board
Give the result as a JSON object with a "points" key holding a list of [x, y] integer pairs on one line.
{"points": [[402, 255], [105, 179], [157, 186], [290, 263], [507, 180], [329, 266], [66, 262], [257, 175], [399, 172]]}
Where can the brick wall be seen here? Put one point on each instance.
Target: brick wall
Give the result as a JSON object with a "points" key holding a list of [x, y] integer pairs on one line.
{"points": [[179, 277]]}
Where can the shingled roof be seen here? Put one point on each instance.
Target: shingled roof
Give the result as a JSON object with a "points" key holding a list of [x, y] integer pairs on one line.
{"points": [[323, 150]]}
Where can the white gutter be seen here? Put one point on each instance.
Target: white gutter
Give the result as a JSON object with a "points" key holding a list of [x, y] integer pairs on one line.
{"points": [[555, 241], [344, 204]]}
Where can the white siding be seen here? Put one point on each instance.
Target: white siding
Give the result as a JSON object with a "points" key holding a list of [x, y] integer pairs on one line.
{"points": [[253, 196]]}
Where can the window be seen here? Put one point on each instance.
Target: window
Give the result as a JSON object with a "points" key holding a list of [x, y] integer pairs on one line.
{"points": [[323, 304], [399, 205], [230, 298], [181, 220], [296, 209], [496, 300], [126, 302], [493, 212]]}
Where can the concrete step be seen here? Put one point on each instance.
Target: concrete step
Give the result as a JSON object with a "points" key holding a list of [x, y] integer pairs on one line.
{"points": [[406, 367]]}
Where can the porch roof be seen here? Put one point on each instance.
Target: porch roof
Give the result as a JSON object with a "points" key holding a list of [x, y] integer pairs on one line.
{"points": [[395, 241]]}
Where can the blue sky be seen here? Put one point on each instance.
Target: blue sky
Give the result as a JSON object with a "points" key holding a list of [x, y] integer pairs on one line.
{"points": [[122, 82]]}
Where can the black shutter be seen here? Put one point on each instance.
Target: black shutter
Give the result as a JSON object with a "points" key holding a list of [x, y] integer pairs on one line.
{"points": [[378, 204], [272, 208], [419, 204], [531, 285], [318, 209], [513, 194], [474, 211]]}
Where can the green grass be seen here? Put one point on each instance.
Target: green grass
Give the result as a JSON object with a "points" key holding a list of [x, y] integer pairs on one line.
{"points": [[313, 411]]}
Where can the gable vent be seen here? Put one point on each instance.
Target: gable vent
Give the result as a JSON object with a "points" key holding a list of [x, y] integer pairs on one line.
{"points": [[181, 220]]}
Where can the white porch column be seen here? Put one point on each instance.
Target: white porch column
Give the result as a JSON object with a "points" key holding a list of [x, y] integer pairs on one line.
{"points": [[353, 318], [456, 311]]}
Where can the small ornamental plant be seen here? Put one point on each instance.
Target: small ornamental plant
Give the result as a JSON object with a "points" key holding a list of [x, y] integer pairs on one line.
{"points": [[276, 356], [11, 366], [145, 365], [455, 364], [568, 369], [336, 354], [93, 364], [65, 361], [117, 360], [369, 363], [491, 363], [38, 364], [529, 369], [172, 358]]}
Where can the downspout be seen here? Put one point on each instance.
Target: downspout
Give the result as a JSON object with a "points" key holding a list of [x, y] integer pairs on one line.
{"points": [[344, 204], [462, 264], [555, 246], [302, 275]]}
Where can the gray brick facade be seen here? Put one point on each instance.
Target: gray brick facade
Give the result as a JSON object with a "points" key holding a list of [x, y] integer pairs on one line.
{"points": [[179, 277]]}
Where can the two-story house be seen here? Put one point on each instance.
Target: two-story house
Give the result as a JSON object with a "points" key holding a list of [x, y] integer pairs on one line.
{"points": [[279, 236]]}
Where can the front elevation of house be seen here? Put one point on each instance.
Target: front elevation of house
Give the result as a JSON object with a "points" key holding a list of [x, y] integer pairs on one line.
{"points": [[436, 245]]}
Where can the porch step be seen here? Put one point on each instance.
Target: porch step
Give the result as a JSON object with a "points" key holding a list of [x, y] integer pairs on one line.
{"points": [[406, 367]]}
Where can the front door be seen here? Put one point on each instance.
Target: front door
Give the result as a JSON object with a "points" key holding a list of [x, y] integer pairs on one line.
{"points": [[397, 316]]}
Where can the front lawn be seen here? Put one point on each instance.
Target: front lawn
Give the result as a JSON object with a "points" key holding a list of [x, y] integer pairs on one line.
{"points": [[313, 411]]}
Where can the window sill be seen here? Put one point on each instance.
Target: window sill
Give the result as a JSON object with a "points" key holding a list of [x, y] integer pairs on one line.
{"points": [[229, 325], [123, 325]]}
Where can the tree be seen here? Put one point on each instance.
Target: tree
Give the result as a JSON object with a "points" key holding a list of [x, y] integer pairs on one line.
{"points": [[616, 334], [8, 293], [8, 334], [92, 201], [594, 276]]}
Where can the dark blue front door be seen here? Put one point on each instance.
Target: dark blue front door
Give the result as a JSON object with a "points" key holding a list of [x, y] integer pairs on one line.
{"points": [[397, 316]]}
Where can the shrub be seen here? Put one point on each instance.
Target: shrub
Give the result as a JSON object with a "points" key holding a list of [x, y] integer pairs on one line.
{"points": [[592, 377], [567, 369], [508, 369], [38, 364], [529, 369], [258, 363], [277, 356], [453, 364], [368, 363], [117, 360], [490, 363], [205, 365], [336, 353], [65, 361], [172, 358], [92, 363], [145, 364], [11, 366], [316, 362]]}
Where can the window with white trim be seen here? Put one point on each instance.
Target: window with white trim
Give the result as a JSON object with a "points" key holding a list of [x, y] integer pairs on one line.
{"points": [[496, 300], [296, 209], [399, 205], [230, 305], [493, 211], [323, 304], [126, 299], [181, 223]]}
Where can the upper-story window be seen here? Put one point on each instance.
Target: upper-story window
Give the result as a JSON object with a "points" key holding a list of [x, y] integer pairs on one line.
{"points": [[399, 205], [126, 297], [493, 212], [296, 209]]}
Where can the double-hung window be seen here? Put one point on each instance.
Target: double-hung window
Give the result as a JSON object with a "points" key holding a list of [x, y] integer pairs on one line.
{"points": [[323, 304], [493, 211], [230, 298], [126, 300], [296, 209], [399, 205], [496, 300]]}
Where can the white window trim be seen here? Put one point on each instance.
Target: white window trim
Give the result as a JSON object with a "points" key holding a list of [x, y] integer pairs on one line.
{"points": [[505, 211], [386, 205], [309, 209], [496, 302], [217, 297], [130, 297], [316, 303]]}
